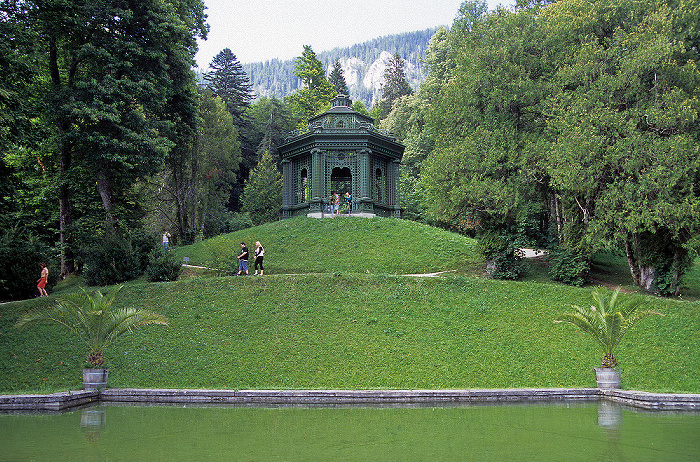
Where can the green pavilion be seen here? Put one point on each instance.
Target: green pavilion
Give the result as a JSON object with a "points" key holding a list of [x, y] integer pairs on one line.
{"points": [[341, 152]]}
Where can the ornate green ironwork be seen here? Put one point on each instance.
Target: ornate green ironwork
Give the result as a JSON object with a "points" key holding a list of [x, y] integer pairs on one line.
{"points": [[341, 140]]}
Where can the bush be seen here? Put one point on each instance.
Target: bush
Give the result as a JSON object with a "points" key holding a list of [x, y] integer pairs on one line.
{"points": [[239, 221], [143, 243], [19, 271], [163, 266], [505, 265], [569, 266], [501, 253], [110, 260]]}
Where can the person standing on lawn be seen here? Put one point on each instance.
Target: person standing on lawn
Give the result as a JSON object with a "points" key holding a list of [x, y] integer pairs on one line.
{"points": [[43, 279], [243, 259], [259, 254]]}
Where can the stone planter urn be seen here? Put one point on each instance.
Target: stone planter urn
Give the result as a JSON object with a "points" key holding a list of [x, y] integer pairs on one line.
{"points": [[607, 377], [95, 379]]}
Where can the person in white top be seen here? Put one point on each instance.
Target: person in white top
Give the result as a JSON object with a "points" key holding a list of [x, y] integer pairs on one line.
{"points": [[166, 239], [259, 253]]}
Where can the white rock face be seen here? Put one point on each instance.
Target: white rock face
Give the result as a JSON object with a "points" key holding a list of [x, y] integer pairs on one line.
{"points": [[370, 76]]}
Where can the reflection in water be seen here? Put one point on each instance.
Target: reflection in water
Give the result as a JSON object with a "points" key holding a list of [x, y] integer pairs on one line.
{"points": [[592, 431], [93, 420], [609, 414]]}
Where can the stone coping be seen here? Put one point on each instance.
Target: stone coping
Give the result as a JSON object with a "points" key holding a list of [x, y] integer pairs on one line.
{"points": [[70, 399]]}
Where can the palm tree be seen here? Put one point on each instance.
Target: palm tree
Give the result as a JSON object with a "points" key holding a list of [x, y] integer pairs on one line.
{"points": [[93, 319], [607, 322]]}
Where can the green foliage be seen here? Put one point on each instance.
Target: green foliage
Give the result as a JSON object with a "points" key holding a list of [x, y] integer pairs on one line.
{"points": [[568, 266], [163, 266], [608, 321], [317, 91], [93, 319], [110, 259], [228, 81], [623, 150], [20, 255], [395, 84], [262, 196], [337, 79]]}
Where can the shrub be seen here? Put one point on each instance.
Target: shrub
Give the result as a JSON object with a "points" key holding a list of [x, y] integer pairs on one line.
{"points": [[110, 260], [19, 271], [163, 266], [569, 266], [239, 221], [143, 243]]}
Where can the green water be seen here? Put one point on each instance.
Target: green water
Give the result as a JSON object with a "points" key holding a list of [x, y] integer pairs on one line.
{"points": [[561, 432]]}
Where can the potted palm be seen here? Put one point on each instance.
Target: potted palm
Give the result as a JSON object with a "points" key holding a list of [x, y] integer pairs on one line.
{"points": [[93, 318], [607, 322]]}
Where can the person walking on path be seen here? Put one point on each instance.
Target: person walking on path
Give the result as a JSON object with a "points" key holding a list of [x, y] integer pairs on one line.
{"points": [[348, 200], [166, 239], [43, 279], [243, 259], [259, 254]]}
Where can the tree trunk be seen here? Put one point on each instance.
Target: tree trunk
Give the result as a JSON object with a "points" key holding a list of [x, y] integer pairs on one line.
{"points": [[65, 214], [65, 211], [643, 274], [631, 261], [105, 189]]}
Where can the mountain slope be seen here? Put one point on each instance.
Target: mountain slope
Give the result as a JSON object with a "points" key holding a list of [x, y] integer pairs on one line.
{"points": [[363, 65]]}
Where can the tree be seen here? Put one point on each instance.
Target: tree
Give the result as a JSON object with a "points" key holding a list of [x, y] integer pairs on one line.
{"points": [[623, 153], [190, 192], [395, 84], [317, 91], [229, 81], [118, 78], [262, 196], [218, 158], [337, 79], [486, 122], [271, 121]]}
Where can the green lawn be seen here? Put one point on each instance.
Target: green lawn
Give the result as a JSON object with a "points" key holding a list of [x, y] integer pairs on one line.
{"points": [[354, 322]]}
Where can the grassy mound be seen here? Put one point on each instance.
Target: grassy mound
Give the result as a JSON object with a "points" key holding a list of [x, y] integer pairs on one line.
{"points": [[344, 328], [342, 244]]}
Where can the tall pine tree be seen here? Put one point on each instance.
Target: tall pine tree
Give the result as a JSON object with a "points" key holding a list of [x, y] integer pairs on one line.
{"points": [[228, 81], [395, 83], [337, 79], [262, 196]]}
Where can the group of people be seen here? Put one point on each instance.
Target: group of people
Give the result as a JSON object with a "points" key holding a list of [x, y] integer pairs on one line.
{"points": [[334, 202], [243, 259]]}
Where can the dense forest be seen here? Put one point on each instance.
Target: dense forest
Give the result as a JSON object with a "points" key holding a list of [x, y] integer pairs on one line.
{"points": [[567, 125]]}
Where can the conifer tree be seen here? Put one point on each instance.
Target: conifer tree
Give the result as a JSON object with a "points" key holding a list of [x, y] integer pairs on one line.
{"points": [[395, 83], [262, 196], [317, 92], [228, 81], [337, 79]]}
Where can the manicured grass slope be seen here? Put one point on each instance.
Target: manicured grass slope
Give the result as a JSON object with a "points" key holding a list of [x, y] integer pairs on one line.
{"points": [[342, 244], [349, 329]]}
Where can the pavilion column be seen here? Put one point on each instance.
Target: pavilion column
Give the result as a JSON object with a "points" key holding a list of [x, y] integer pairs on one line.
{"points": [[318, 159], [287, 192], [364, 171], [395, 191]]}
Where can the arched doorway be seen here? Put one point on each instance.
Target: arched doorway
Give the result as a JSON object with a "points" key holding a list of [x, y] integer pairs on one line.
{"points": [[341, 180]]}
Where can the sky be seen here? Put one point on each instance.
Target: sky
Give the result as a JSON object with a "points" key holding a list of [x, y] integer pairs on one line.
{"points": [[260, 30]]}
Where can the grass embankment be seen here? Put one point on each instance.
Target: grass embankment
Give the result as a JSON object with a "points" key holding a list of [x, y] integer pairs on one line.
{"points": [[349, 329]]}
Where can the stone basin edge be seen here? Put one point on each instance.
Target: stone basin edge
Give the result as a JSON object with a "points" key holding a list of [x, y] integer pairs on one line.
{"points": [[70, 399]]}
